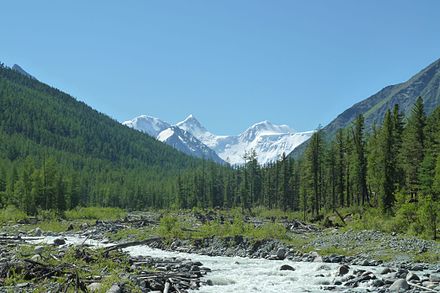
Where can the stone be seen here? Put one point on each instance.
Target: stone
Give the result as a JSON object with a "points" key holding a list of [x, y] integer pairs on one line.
{"points": [[114, 289], [59, 241], [343, 270], [287, 268], [399, 285], [36, 257], [323, 268], [209, 283], [401, 273], [417, 267], [281, 253], [386, 271], [70, 227], [84, 226], [412, 277], [38, 232], [434, 278], [316, 257], [272, 257], [22, 285], [94, 287], [378, 283], [38, 249]]}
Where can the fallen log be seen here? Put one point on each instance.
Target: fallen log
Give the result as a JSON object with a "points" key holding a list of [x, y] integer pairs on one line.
{"points": [[167, 287], [422, 287]]}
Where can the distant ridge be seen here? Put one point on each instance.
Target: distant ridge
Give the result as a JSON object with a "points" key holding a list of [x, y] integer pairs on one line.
{"points": [[426, 84], [20, 70]]}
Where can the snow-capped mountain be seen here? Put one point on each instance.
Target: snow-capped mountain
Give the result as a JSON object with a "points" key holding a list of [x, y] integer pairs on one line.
{"points": [[187, 143], [150, 125], [269, 141], [173, 136]]}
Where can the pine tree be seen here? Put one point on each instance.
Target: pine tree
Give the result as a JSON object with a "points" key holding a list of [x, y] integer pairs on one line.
{"points": [[413, 147], [374, 166], [314, 162], [398, 128], [340, 166], [360, 161], [387, 164]]}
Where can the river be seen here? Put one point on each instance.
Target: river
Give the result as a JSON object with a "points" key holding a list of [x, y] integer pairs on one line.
{"points": [[238, 274]]}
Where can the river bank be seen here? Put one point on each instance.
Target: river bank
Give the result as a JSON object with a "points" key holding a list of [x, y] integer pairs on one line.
{"points": [[310, 257]]}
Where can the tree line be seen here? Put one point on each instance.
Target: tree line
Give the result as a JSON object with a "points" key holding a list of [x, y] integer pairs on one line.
{"points": [[394, 169], [57, 153]]}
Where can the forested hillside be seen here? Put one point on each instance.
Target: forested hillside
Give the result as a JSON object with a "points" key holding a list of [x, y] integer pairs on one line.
{"points": [[426, 84], [57, 152]]}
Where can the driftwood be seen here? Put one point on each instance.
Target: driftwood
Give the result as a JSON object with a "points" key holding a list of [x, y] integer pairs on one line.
{"points": [[167, 287], [129, 244], [422, 287], [340, 216]]}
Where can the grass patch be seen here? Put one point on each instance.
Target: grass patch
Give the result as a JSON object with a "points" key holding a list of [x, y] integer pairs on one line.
{"points": [[428, 257], [11, 214], [95, 213]]}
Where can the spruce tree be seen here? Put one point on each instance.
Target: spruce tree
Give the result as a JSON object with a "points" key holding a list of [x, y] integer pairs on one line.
{"points": [[413, 147], [360, 161], [340, 166], [387, 164]]}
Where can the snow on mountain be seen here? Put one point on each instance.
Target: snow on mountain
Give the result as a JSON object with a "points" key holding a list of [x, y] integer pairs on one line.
{"points": [[174, 136], [269, 141], [185, 142], [150, 125]]}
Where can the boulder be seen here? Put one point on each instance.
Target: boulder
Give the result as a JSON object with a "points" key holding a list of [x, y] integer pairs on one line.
{"points": [[59, 241], [399, 286], [94, 287], [114, 289], [38, 232], [434, 278], [38, 249], [281, 253], [378, 283], [412, 277], [343, 270], [386, 271], [287, 268]]}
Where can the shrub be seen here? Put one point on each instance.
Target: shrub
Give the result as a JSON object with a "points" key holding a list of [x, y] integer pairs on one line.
{"points": [[11, 213], [95, 213]]}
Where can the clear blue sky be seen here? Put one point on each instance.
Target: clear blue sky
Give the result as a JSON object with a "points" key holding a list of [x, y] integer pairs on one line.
{"points": [[230, 63]]}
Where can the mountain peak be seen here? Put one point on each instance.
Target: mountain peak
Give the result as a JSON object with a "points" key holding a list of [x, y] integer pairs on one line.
{"points": [[191, 119], [192, 125], [266, 126], [148, 124], [20, 70]]}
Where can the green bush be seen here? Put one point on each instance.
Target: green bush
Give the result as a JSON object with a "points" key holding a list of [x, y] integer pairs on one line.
{"points": [[95, 213], [170, 227], [11, 213]]}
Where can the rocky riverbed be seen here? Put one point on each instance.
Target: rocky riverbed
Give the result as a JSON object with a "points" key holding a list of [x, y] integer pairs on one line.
{"points": [[220, 264]]}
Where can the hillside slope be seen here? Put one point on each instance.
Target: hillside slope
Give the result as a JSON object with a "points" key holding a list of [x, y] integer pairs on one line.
{"points": [[52, 146], [426, 84]]}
